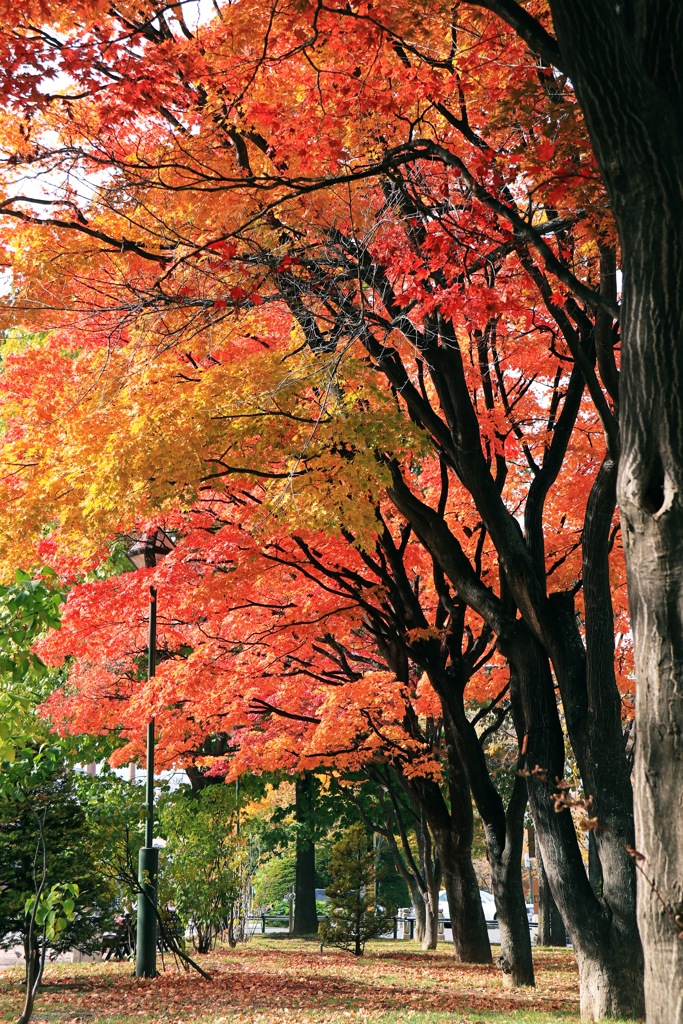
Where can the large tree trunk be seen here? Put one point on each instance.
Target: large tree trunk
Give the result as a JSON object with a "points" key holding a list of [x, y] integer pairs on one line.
{"points": [[625, 63], [305, 912], [651, 496]]}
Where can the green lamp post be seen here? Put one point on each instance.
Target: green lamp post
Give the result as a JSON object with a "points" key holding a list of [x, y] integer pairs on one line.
{"points": [[146, 553]]}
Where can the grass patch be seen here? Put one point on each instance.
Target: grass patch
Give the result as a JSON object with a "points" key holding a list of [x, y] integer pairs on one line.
{"points": [[271, 982]]}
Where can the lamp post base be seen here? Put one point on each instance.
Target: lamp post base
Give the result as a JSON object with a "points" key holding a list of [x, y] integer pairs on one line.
{"points": [[146, 949]]}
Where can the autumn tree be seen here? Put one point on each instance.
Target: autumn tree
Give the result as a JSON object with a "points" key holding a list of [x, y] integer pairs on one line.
{"points": [[407, 629], [282, 671], [390, 243], [363, 612]]}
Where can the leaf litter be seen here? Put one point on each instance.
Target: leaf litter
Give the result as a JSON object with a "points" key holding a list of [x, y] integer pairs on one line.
{"points": [[266, 982]]}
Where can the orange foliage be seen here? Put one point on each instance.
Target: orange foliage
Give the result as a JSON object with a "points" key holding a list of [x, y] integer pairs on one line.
{"points": [[246, 231]]}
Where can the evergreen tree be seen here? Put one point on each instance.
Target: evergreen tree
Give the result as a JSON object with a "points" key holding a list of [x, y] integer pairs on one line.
{"points": [[354, 916]]}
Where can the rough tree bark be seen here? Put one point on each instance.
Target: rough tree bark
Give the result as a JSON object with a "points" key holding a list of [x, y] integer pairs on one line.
{"points": [[505, 854], [594, 865], [625, 62]]}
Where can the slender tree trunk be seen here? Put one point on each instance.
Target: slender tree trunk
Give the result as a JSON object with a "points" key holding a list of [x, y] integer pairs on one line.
{"points": [[426, 917], [417, 896], [305, 912], [431, 910], [423, 882], [610, 970], [421, 875], [504, 831], [551, 930], [420, 910], [453, 830], [35, 963], [515, 959], [431, 872], [425, 895]]}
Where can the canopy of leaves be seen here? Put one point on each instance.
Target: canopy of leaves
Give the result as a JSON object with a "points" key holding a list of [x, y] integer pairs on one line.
{"points": [[360, 258]]}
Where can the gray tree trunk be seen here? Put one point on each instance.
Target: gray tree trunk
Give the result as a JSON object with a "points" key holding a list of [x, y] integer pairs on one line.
{"points": [[420, 915], [431, 931], [470, 934], [514, 960]]}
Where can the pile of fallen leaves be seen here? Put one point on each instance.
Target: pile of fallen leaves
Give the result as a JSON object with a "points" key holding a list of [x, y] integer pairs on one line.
{"points": [[270, 981]]}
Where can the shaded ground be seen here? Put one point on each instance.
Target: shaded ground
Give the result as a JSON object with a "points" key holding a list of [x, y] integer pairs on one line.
{"points": [[268, 981]]}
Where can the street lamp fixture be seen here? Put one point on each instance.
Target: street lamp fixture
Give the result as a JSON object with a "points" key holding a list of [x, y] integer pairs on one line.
{"points": [[150, 549], [146, 553]]}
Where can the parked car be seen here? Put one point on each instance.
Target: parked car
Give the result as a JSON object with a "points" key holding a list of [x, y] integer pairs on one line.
{"points": [[488, 905]]}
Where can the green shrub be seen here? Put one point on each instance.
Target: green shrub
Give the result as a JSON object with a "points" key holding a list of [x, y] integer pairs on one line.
{"points": [[273, 880]]}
